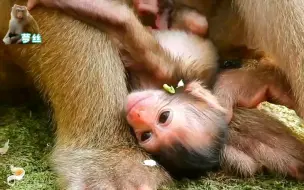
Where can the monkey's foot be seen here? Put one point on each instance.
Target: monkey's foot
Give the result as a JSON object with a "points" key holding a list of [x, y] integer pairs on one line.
{"points": [[107, 169], [7, 40]]}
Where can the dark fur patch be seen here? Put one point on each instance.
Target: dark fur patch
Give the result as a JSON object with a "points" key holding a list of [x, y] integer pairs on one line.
{"points": [[183, 163], [230, 64], [11, 35]]}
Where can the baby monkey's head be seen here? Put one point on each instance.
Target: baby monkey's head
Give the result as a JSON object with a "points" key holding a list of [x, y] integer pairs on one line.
{"points": [[184, 131]]}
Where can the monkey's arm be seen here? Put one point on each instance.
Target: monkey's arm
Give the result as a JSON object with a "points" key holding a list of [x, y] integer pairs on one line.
{"points": [[247, 87], [118, 20], [257, 141], [32, 26]]}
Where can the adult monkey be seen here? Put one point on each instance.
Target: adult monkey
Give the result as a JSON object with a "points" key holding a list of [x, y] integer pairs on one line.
{"points": [[76, 84], [84, 155]]}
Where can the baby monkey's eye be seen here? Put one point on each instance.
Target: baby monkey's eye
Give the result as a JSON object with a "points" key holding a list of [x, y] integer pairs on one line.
{"points": [[145, 136], [164, 117]]}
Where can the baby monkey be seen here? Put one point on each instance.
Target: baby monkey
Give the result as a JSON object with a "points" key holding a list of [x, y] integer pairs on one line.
{"points": [[21, 21], [189, 127]]}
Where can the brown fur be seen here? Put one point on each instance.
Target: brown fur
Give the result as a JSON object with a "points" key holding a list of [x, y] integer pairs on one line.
{"points": [[275, 27], [77, 85], [257, 141], [154, 55], [272, 26], [156, 60], [147, 51], [86, 105]]}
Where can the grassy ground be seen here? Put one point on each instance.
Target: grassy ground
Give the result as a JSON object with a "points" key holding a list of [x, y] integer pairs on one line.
{"points": [[31, 139]]}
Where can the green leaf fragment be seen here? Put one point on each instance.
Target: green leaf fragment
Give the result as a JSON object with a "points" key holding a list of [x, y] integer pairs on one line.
{"points": [[169, 89]]}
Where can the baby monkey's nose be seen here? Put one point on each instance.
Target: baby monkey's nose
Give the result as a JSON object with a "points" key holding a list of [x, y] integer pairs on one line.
{"points": [[138, 115]]}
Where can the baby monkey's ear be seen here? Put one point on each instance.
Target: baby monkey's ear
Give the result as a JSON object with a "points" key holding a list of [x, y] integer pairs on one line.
{"points": [[196, 89]]}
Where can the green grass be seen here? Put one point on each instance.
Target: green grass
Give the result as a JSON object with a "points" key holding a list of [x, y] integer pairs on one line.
{"points": [[31, 138]]}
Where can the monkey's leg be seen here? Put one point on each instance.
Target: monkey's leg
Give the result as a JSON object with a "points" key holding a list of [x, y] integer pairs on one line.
{"points": [[7, 39], [83, 78], [16, 39], [277, 27], [257, 141]]}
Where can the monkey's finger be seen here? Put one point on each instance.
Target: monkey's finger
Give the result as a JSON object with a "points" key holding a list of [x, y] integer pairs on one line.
{"points": [[32, 3], [146, 6]]}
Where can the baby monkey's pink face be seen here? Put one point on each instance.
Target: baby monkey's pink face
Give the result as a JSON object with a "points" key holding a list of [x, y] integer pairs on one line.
{"points": [[160, 119], [154, 120]]}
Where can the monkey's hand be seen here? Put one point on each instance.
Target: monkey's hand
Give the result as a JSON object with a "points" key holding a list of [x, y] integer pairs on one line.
{"points": [[107, 169], [257, 141], [125, 28]]}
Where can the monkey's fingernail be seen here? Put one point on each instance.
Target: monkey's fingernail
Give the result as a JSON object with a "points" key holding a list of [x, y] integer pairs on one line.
{"points": [[169, 89], [4, 149], [18, 174], [150, 163]]}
